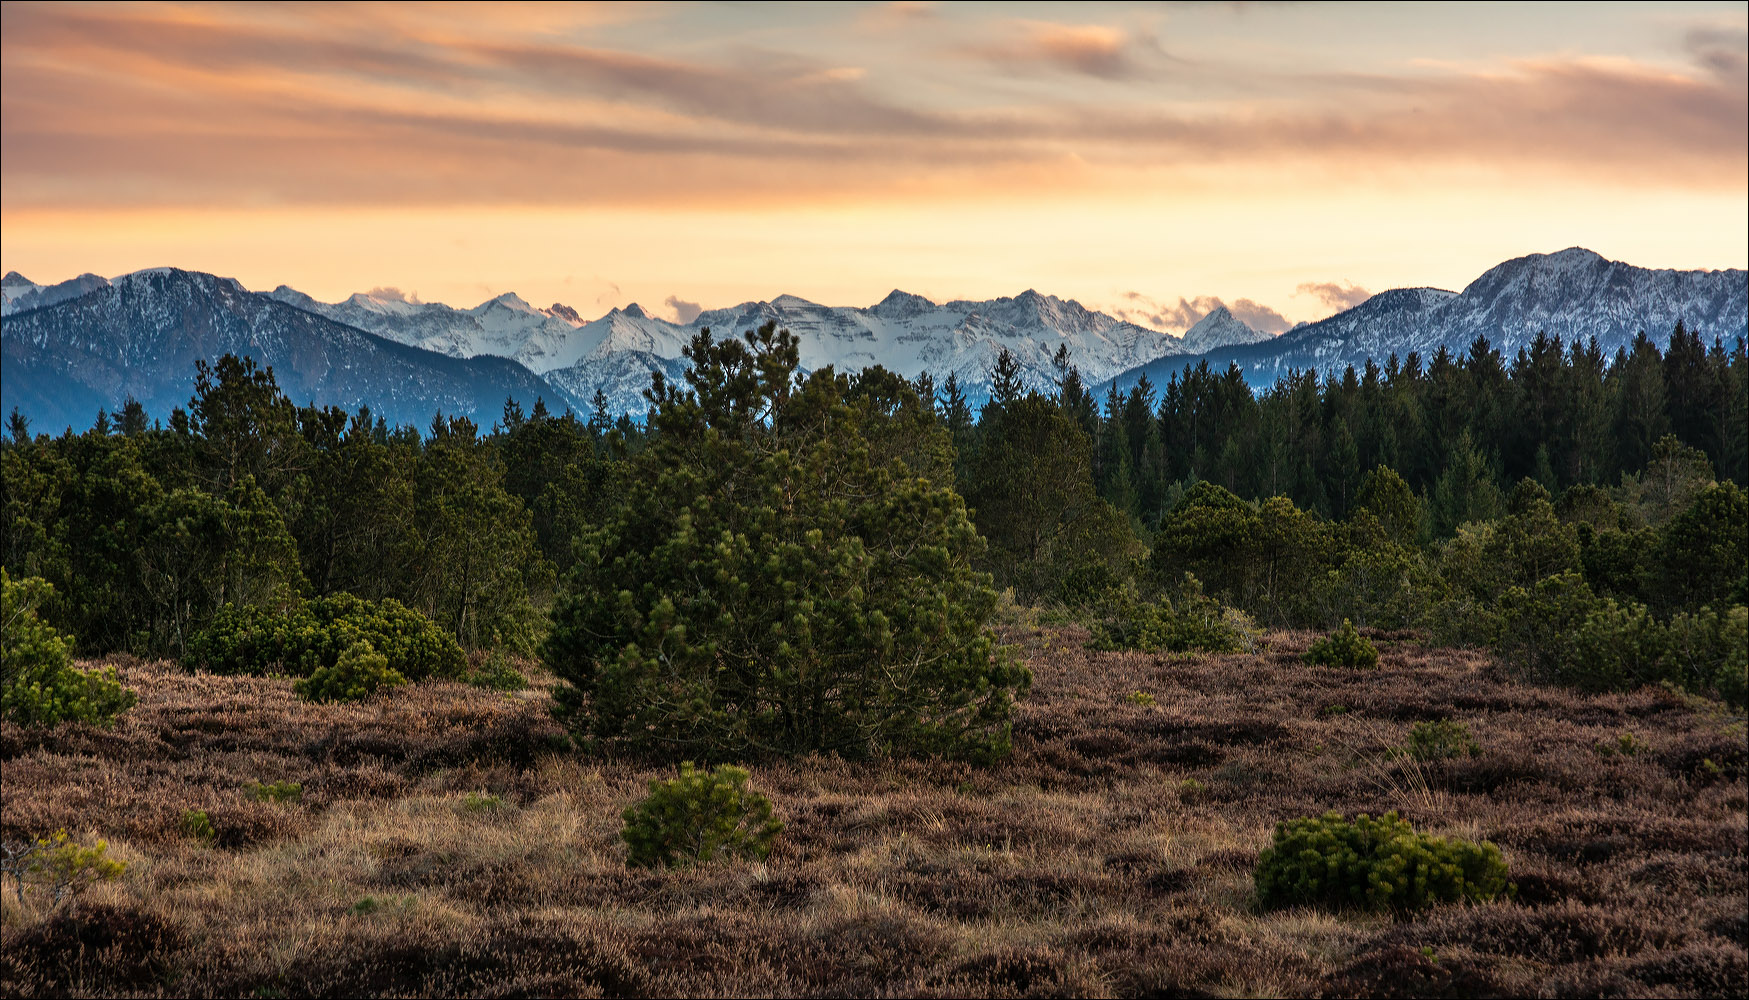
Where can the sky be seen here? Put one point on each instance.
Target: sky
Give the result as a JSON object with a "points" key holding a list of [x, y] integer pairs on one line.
{"points": [[1150, 160]]}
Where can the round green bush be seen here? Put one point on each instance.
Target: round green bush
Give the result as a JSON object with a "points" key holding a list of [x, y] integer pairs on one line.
{"points": [[1191, 623], [1374, 864], [1344, 647], [360, 672], [314, 634], [699, 816]]}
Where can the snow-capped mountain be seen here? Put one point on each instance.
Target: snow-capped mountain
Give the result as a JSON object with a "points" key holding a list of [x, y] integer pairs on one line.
{"points": [[1219, 329], [18, 293], [87, 343], [140, 335], [505, 326], [1574, 294], [906, 333]]}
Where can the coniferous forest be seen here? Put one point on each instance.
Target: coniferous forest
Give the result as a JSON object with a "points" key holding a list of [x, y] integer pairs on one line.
{"points": [[1457, 494]]}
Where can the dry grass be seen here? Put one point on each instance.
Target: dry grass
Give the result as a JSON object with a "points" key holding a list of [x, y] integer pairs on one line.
{"points": [[1110, 856]]}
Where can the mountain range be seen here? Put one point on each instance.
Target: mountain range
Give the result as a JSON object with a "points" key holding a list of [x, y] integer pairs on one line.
{"points": [[73, 347], [1574, 294]]}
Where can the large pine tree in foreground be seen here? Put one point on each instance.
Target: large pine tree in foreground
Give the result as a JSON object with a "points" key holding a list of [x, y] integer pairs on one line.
{"points": [[787, 570]]}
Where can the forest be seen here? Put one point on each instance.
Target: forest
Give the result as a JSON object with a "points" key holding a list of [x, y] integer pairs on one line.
{"points": [[1466, 496]]}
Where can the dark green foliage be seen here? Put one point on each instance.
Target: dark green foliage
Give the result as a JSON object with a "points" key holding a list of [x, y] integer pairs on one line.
{"points": [[1261, 558], [1032, 495], [1561, 630], [360, 672], [497, 673], [787, 570], [1442, 740], [245, 499], [41, 685], [1385, 496], [1702, 550], [1189, 622], [316, 633], [1344, 647], [697, 817], [1374, 864]]}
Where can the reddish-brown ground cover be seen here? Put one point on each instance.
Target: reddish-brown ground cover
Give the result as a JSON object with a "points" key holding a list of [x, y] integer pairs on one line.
{"points": [[1110, 856]]}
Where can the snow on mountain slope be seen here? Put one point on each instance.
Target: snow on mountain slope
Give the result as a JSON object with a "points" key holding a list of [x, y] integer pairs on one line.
{"points": [[905, 333], [141, 335], [21, 294], [505, 326], [1219, 329], [1574, 294]]}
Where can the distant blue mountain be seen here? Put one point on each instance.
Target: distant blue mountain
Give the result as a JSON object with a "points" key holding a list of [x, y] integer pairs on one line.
{"points": [[1574, 294]]}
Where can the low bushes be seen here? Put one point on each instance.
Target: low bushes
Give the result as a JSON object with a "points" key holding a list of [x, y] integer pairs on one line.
{"points": [[1344, 647], [360, 672], [1374, 864], [1561, 630], [1191, 622], [41, 686], [316, 633], [699, 816], [1442, 740]]}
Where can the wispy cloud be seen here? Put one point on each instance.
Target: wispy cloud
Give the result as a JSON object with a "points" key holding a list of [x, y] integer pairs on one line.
{"points": [[1185, 313], [1335, 295], [684, 311], [1090, 49], [280, 105]]}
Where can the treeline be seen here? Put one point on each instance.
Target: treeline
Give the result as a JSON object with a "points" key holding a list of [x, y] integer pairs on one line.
{"points": [[1404, 496], [147, 529], [1459, 429]]}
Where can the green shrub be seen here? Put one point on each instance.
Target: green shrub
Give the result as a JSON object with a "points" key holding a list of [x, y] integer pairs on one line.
{"points": [[785, 569], [278, 792], [1344, 647], [360, 672], [1141, 698], [197, 824], [497, 673], [1559, 630], [1374, 864], [1709, 650], [1442, 740], [696, 817], [250, 640], [41, 685], [476, 802], [62, 866], [1192, 622], [1625, 745]]}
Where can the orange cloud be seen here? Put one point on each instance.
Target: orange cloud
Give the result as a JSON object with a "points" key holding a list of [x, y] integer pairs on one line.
{"points": [[393, 105], [1087, 49]]}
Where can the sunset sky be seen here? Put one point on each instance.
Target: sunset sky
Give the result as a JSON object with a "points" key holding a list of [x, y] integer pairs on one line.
{"points": [[1144, 159]]}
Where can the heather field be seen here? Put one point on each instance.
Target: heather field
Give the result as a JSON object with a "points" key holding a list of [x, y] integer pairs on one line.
{"points": [[447, 842]]}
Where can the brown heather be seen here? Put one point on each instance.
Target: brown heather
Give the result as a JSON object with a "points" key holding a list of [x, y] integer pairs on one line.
{"points": [[1110, 856]]}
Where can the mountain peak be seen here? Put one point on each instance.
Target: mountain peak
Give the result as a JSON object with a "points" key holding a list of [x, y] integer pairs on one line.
{"points": [[513, 301], [1219, 328], [789, 301], [566, 313], [635, 311], [14, 278]]}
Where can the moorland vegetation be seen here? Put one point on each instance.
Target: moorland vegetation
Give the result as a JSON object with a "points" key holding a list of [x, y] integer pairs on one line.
{"points": [[833, 585]]}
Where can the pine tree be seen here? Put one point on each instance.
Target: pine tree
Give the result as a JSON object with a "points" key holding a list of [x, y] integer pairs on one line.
{"points": [[767, 586]]}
